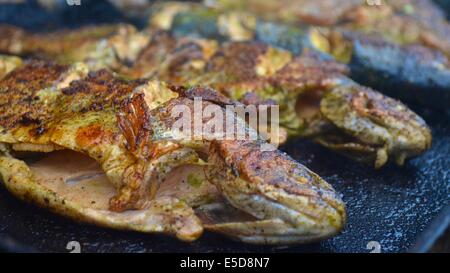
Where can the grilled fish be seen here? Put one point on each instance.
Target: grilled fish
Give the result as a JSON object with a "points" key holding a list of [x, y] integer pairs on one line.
{"points": [[117, 138], [254, 73], [316, 98], [355, 33], [97, 46], [401, 22]]}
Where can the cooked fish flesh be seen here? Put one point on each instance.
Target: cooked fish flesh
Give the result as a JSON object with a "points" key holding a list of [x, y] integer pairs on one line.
{"points": [[125, 128], [74, 186]]}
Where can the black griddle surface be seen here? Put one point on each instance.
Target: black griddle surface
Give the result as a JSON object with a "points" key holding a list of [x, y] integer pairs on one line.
{"points": [[392, 206]]}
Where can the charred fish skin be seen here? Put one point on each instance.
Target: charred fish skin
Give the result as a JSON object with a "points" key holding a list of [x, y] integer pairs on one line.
{"points": [[411, 31], [52, 112], [400, 22], [125, 126]]}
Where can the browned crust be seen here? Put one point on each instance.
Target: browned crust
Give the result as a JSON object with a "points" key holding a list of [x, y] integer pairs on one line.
{"points": [[169, 58], [238, 60], [19, 103], [263, 170], [369, 103], [206, 93], [160, 46], [102, 88], [308, 71]]}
